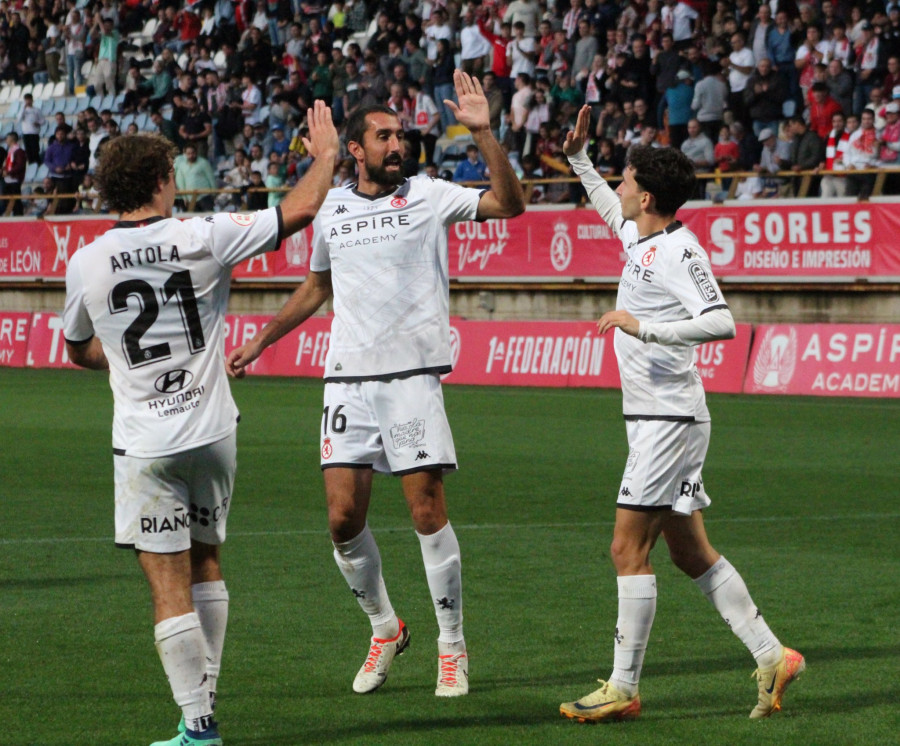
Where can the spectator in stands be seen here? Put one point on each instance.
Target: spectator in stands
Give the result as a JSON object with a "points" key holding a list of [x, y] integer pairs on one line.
{"points": [[889, 137], [783, 53], [474, 48], [710, 99], [699, 149], [869, 65], [528, 12], [165, 127], [75, 34], [494, 96], [196, 126], [807, 149], [58, 160], [822, 107], [521, 52], [740, 65], [426, 122], [81, 156], [665, 67], [764, 97], [39, 203], [840, 85], [518, 113], [252, 100], [88, 197], [726, 151], [471, 168], [760, 29], [835, 185], [13, 174], [54, 47], [678, 99], [274, 181], [256, 198], [194, 173], [103, 74], [259, 161], [862, 153], [29, 122]]}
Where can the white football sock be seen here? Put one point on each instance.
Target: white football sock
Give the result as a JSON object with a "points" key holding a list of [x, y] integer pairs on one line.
{"points": [[725, 588], [360, 563], [182, 650], [637, 607], [443, 569], [211, 605]]}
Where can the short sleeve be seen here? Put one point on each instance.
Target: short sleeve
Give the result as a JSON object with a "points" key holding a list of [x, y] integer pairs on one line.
{"points": [[77, 325], [235, 236], [452, 203], [320, 260]]}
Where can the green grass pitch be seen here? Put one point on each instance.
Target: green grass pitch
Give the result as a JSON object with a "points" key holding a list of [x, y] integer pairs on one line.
{"points": [[805, 504]]}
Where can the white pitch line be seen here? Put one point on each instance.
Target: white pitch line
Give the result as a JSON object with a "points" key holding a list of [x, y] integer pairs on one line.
{"points": [[856, 517]]}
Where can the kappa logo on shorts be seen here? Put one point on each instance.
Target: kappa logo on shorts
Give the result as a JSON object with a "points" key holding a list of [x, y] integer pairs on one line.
{"points": [[703, 282], [408, 434], [243, 219], [327, 449], [625, 492], [421, 456]]}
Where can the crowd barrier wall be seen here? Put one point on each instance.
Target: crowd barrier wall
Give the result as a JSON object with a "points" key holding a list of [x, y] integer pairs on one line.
{"points": [[764, 241], [860, 360]]}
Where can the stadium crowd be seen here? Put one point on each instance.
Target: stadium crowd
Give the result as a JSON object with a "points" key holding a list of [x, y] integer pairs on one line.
{"points": [[739, 87]]}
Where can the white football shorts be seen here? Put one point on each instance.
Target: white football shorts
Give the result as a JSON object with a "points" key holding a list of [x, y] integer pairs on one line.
{"points": [[162, 503], [397, 426], [664, 467]]}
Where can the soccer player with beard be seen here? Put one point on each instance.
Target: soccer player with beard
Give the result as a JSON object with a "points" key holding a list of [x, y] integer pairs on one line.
{"points": [[380, 247], [668, 302], [147, 301]]}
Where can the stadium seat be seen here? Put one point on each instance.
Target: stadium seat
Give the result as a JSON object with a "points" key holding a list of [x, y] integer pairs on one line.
{"points": [[143, 122], [16, 94], [4, 93], [15, 106], [37, 91], [59, 89], [27, 88], [31, 172], [71, 105], [46, 91], [86, 68], [42, 171], [47, 106], [118, 101], [458, 131], [108, 101], [125, 121]]}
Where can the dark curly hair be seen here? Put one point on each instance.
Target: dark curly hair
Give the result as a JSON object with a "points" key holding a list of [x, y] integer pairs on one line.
{"points": [[129, 169], [666, 173]]}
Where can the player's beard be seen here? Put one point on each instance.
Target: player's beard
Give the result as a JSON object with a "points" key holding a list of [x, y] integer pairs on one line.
{"points": [[379, 174]]}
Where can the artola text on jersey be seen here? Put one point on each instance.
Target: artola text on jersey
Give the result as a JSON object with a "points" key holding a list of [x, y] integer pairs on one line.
{"points": [[147, 255]]}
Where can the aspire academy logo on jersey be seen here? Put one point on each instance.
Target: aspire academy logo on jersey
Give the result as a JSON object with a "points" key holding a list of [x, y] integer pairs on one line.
{"points": [[173, 381], [776, 361]]}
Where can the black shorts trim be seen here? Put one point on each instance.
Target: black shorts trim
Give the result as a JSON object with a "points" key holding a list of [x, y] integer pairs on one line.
{"points": [[661, 417], [390, 376], [644, 508], [347, 466], [118, 451], [423, 467], [124, 546]]}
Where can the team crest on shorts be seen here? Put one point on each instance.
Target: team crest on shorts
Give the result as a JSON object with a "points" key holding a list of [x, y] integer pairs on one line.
{"points": [[648, 258], [327, 449], [398, 202], [242, 218]]}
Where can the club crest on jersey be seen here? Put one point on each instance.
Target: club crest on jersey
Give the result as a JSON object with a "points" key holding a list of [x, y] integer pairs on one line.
{"points": [[173, 380], [649, 256], [703, 282], [398, 202], [327, 448], [242, 218]]}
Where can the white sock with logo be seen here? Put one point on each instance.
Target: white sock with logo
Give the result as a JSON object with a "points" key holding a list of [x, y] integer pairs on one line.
{"points": [[443, 569], [182, 649], [360, 563], [637, 607], [726, 590], [211, 605]]}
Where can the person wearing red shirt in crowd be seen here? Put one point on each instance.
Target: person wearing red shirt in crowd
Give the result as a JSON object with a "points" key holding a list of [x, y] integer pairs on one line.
{"points": [[822, 107], [499, 42]]}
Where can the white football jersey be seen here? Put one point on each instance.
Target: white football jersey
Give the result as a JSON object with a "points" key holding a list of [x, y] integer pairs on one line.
{"points": [[155, 293], [667, 277], [389, 271]]}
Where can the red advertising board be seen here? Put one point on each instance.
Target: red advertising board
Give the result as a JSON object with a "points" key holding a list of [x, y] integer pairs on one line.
{"points": [[789, 240], [46, 343], [825, 360], [14, 329]]}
